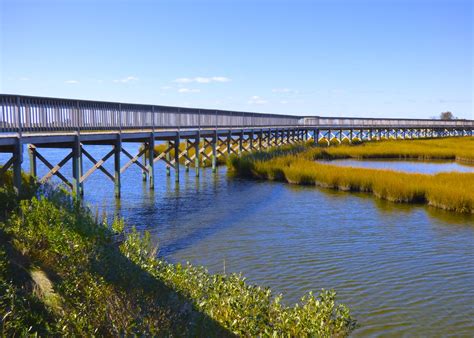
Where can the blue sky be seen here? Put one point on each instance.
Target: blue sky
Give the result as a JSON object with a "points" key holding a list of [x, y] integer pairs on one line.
{"points": [[340, 58]]}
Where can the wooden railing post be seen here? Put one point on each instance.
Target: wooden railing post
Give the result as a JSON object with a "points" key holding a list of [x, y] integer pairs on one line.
{"points": [[78, 118], [18, 109]]}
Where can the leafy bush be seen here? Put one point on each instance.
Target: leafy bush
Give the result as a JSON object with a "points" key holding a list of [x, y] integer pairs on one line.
{"points": [[99, 280], [242, 308]]}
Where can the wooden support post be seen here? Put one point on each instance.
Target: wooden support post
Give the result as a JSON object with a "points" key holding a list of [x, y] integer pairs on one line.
{"points": [[17, 160], [168, 159], [187, 163], [196, 158], [33, 164], [81, 170], [251, 140], [269, 138], [144, 173], [117, 167], [329, 137], [214, 152], [241, 141], [176, 157], [151, 157], [260, 139], [76, 171], [229, 139]]}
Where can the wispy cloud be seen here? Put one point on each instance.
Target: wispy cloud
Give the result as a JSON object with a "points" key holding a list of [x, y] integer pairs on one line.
{"points": [[127, 79], [24, 78], [284, 90], [188, 90], [200, 79], [71, 81], [257, 100]]}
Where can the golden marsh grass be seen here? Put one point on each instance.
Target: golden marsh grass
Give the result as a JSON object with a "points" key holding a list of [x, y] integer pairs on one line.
{"points": [[452, 148], [450, 191]]}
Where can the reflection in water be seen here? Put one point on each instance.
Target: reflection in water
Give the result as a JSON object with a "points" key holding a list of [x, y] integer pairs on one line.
{"points": [[423, 167], [402, 269]]}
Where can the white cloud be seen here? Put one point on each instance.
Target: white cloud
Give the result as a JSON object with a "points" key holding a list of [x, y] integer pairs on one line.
{"points": [[24, 78], [127, 79], [220, 79], [284, 90], [284, 102], [71, 82], [188, 90], [257, 100], [200, 79]]}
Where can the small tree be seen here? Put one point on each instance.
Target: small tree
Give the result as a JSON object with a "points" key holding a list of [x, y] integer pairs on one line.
{"points": [[447, 115]]}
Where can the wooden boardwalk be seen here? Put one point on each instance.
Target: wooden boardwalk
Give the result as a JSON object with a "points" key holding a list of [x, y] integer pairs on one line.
{"points": [[42, 123]]}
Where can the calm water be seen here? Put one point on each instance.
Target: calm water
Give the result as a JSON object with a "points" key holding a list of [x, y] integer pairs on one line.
{"points": [[407, 166], [403, 270]]}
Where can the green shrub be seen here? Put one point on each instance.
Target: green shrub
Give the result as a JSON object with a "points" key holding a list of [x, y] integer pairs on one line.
{"points": [[108, 282]]}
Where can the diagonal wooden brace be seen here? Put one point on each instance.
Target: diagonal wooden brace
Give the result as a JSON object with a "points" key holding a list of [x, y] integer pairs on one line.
{"points": [[7, 165], [134, 159], [97, 165], [54, 170], [163, 154]]}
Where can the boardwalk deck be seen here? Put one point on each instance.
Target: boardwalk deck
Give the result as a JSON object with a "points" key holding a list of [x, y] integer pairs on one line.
{"points": [[40, 123]]}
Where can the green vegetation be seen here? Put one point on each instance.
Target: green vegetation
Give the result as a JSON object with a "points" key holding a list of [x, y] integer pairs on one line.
{"points": [[65, 272], [449, 191]]}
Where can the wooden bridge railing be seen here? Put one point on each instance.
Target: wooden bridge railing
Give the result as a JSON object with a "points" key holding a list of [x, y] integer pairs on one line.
{"points": [[348, 122], [28, 114]]}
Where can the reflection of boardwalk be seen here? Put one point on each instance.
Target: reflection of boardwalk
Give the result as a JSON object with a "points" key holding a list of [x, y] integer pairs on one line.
{"points": [[208, 134]]}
